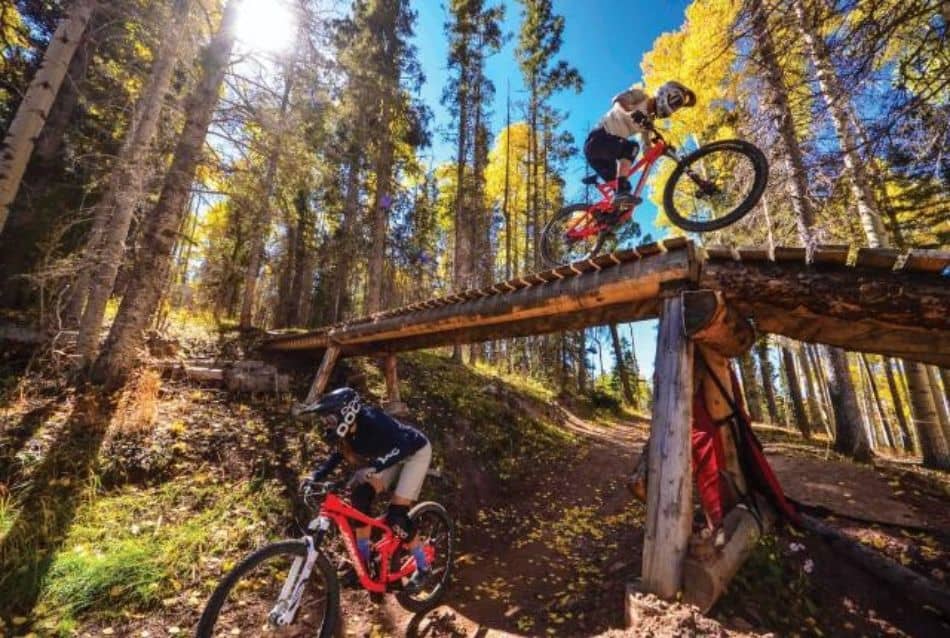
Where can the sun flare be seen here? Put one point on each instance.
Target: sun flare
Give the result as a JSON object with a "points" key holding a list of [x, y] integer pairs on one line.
{"points": [[266, 25]]}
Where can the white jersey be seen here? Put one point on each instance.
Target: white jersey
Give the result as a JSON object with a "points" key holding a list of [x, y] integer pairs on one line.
{"points": [[618, 121]]}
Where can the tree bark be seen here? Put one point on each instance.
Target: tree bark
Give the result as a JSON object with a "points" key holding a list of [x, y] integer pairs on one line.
{"points": [[811, 392], [621, 366], [781, 111], [850, 437], [939, 402], [50, 140], [765, 367], [31, 114], [795, 390], [822, 384], [933, 445], [752, 395], [885, 426], [907, 441], [120, 352], [380, 215], [106, 243]]}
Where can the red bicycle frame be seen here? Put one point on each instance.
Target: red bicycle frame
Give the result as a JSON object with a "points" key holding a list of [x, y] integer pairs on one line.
{"points": [[341, 512], [586, 225]]}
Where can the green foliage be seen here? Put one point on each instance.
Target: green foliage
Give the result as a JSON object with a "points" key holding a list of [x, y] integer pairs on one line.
{"points": [[135, 549], [483, 414]]}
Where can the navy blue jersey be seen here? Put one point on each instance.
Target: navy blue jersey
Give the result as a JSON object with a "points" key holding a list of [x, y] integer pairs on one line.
{"points": [[380, 438]]}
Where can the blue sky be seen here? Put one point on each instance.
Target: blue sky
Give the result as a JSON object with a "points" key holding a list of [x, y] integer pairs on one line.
{"points": [[604, 40]]}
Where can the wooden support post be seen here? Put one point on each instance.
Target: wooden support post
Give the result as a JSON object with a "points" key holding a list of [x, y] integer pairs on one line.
{"points": [[394, 406], [669, 490], [705, 580], [323, 374]]}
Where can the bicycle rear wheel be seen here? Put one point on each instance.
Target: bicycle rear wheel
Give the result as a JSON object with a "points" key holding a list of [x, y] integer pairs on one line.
{"points": [[560, 240], [245, 601], [434, 528], [715, 186]]}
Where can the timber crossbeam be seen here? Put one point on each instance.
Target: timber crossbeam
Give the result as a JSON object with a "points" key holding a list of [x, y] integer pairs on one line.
{"points": [[869, 300]]}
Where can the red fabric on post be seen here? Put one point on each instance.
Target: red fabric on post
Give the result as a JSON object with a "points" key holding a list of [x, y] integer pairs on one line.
{"points": [[708, 460]]}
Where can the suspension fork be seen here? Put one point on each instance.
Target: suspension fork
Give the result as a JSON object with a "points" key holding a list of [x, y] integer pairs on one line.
{"points": [[291, 594], [705, 186]]}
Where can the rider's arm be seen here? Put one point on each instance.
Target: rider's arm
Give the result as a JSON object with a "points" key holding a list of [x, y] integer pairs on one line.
{"points": [[323, 470]]}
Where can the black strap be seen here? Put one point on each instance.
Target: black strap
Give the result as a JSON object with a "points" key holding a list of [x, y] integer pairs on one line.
{"points": [[738, 436]]}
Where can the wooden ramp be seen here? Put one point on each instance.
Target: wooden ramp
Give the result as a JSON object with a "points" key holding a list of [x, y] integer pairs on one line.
{"points": [[869, 300]]}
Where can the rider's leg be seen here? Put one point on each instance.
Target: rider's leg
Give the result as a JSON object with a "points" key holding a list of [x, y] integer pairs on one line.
{"points": [[362, 499], [407, 491]]}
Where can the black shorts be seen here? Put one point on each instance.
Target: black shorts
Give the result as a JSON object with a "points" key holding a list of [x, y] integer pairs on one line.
{"points": [[602, 151]]}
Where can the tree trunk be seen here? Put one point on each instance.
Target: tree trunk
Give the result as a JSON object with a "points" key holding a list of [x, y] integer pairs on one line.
{"points": [[380, 216], [752, 396], [781, 111], [907, 441], [106, 243], [850, 437], [822, 385], [885, 426], [582, 361], [838, 104], [261, 227], [812, 394], [344, 257], [621, 366], [939, 402], [150, 272], [795, 390], [933, 445], [765, 367], [50, 141], [31, 114]]}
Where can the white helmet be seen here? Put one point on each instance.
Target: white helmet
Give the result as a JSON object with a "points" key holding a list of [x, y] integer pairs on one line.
{"points": [[672, 96]]}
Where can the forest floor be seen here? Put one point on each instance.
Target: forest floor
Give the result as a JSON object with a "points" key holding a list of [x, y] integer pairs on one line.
{"points": [[118, 514]]}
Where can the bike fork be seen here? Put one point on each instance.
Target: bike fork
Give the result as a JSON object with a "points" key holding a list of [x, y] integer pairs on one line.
{"points": [[282, 614]]}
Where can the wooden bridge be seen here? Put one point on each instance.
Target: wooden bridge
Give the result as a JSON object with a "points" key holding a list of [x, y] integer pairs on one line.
{"points": [[874, 300], [709, 300]]}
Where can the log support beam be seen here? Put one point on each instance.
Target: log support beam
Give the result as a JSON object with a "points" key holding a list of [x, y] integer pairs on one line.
{"points": [[705, 578], [394, 404], [323, 374], [669, 489]]}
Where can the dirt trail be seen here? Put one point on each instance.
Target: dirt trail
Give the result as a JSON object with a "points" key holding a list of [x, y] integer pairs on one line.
{"points": [[549, 560]]}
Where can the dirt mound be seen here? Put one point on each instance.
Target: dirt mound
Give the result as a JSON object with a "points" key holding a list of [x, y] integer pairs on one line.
{"points": [[659, 619]]}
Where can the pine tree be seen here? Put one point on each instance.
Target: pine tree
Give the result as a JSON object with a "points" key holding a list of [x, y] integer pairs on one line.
{"points": [[150, 272]]}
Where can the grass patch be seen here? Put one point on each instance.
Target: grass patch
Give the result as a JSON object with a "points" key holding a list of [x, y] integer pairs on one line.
{"points": [[138, 549], [488, 418]]}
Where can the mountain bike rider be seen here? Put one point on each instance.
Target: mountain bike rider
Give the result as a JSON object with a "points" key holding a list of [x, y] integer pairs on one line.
{"points": [[608, 148], [385, 448]]}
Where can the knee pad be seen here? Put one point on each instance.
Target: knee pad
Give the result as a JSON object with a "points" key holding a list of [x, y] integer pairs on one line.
{"points": [[362, 498], [397, 517]]}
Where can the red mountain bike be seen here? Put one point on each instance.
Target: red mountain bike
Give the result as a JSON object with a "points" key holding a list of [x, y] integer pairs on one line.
{"points": [[710, 188], [290, 588]]}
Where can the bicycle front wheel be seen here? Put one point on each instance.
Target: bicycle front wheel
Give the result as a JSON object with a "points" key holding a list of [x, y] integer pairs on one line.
{"points": [[570, 236], [255, 598], [715, 186]]}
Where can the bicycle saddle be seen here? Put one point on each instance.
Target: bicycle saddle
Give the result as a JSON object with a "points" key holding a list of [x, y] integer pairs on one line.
{"points": [[591, 180]]}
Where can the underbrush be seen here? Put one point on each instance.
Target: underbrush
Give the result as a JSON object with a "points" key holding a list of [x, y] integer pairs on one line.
{"points": [[506, 429], [139, 549]]}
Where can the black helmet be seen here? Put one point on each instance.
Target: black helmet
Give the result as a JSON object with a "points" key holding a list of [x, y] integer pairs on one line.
{"points": [[338, 410]]}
